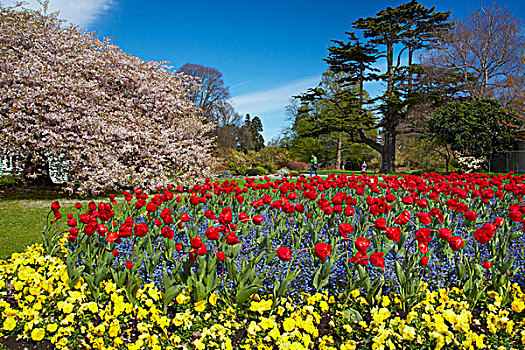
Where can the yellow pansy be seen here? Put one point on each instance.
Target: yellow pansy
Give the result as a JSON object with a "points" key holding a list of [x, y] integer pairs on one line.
{"points": [[9, 324], [289, 324], [114, 329], [518, 305], [37, 334], [354, 293], [52, 327], [200, 306], [213, 299], [324, 306], [274, 333], [182, 298]]}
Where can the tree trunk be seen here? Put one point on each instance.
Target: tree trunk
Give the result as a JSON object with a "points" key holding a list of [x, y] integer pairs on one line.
{"points": [[388, 163], [339, 146], [36, 174]]}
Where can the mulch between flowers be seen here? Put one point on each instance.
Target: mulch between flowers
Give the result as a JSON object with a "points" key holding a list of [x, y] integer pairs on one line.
{"points": [[12, 343]]}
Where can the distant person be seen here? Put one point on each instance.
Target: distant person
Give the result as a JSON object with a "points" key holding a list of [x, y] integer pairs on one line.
{"points": [[314, 165], [363, 167]]}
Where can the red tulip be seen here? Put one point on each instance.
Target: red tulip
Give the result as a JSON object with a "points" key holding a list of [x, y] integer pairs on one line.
{"points": [[257, 219], [232, 239], [212, 233], [185, 217], [377, 259], [422, 203], [178, 247], [55, 206], [129, 265], [115, 253], [196, 242], [220, 255], [322, 250], [345, 229], [444, 234], [141, 229], [167, 232], [226, 216], [349, 211], [380, 224], [423, 235], [455, 242], [470, 215], [209, 214], [393, 233], [423, 247], [151, 207], [424, 260], [360, 258], [243, 217], [424, 218], [482, 236], [111, 236], [203, 249], [487, 264], [362, 244], [284, 253]]}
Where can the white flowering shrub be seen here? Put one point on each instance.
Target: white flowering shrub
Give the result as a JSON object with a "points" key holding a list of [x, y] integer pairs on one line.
{"points": [[471, 164], [115, 119]]}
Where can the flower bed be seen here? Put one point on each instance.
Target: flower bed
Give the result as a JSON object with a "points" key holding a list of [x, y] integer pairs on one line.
{"points": [[344, 262]]}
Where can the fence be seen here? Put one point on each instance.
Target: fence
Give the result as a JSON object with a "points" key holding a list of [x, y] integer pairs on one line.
{"points": [[508, 161]]}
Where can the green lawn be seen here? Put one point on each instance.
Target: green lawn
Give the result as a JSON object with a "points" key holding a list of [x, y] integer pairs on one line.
{"points": [[22, 222]]}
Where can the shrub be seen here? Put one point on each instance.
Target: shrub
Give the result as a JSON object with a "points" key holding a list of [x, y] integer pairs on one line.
{"points": [[297, 166], [271, 168], [257, 171], [277, 156]]}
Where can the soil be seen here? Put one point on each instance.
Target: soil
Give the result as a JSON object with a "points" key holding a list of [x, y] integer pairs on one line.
{"points": [[12, 343]]}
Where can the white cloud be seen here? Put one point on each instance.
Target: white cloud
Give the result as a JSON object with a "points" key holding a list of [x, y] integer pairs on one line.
{"points": [[79, 12], [273, 99]]}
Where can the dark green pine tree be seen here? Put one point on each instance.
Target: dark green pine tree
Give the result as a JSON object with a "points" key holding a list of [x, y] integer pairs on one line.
{"points": [[249, 136], [394, 35]]}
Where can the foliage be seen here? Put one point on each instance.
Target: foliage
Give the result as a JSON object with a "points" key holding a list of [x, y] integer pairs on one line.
{"points": [[478, 128], [274, 156], [332, 110], [6, 180], [249, 136], [112, 118], [257, 171]]}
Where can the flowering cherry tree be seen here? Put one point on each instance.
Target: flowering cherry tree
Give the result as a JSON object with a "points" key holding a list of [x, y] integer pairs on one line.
{"points": [[112, 118]]}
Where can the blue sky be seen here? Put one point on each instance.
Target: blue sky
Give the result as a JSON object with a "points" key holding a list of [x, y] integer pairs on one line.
{"points": [[268, 51]]}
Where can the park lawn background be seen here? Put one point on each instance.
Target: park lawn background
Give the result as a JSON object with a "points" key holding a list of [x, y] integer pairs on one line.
{"points": [[22, 222]]}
